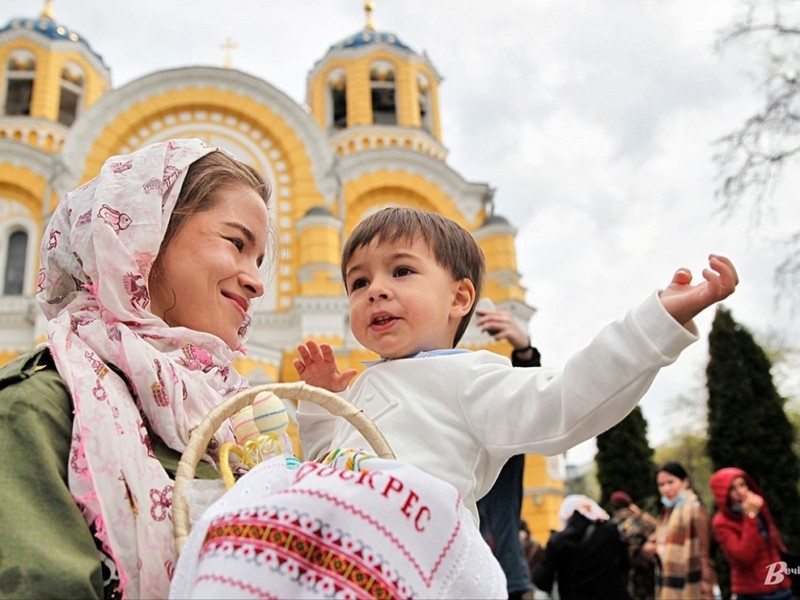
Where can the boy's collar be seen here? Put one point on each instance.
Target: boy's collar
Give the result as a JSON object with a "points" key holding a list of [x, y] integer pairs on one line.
{"points": [[421, 354]]}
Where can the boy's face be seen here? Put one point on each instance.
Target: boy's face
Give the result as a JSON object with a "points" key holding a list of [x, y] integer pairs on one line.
{"points": [[401, 300]]}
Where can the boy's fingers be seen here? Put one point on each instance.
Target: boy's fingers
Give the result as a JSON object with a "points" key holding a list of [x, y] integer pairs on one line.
{"points": [[682, 276], [724, 266]]}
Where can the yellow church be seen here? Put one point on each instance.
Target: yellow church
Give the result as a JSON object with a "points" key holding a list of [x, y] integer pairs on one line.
{"points": [[369, 136]]}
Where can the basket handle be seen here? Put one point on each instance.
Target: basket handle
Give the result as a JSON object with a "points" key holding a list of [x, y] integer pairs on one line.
{"points": [[202, 434]]}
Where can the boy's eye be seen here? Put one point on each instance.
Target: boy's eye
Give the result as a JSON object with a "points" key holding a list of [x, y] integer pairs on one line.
{"points": [[402, 271], [358, 283]]}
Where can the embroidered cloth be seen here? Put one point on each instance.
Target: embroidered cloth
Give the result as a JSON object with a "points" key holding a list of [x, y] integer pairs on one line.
{"points": [[389, 531]]}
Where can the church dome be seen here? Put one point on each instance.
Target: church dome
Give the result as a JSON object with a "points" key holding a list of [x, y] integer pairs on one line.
{"points": [[367, 37], [319, 211], [493, 219], [46, 26]]}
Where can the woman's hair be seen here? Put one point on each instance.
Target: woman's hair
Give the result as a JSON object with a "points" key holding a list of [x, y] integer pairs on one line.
{"points": [[453, 246], [675, 469], [204, 179]]}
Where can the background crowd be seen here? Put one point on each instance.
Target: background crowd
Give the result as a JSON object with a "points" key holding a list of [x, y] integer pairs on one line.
{"points": [[631, 554]]}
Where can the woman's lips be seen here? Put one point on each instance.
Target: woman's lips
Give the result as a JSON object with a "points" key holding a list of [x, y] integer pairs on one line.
{"points": [[240, 303]]}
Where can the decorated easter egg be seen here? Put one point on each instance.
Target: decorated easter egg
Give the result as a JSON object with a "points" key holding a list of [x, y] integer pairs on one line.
{"points": [[269, 414], [244, 426]]}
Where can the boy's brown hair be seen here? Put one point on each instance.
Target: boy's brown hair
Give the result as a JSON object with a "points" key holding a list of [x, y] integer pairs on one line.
{"points": [[453, 246]]}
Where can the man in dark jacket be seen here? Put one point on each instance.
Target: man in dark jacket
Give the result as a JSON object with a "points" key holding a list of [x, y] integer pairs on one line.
{"points": [[587, 559]]}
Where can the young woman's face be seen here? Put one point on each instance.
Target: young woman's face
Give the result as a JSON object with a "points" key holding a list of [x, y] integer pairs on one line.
{"points": [[209, 273], [738, 491], [401, 300], [670, 486]]}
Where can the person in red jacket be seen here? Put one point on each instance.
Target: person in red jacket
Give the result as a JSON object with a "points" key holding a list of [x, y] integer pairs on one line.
{"points": [[748, 536]]}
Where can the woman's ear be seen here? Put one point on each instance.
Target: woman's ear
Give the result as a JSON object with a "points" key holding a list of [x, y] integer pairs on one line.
{"points": [[463, 298]]}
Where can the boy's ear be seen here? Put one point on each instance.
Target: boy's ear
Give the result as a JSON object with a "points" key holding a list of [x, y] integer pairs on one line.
{"points": [[463, 298]]}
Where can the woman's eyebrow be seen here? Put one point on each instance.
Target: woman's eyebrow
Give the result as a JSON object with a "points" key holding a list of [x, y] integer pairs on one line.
{"points": [[245, 231]]}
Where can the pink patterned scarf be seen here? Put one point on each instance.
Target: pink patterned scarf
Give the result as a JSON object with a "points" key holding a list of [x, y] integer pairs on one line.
{"points": [[97, 254]]}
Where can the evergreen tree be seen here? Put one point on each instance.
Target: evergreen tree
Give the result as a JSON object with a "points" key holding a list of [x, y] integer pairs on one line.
{"points": [[625, 461], [747, 424]]}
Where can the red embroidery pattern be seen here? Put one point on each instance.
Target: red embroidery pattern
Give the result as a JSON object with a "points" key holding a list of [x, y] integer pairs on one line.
{"points": [[426, 577], [255, 591], [316, 562]]}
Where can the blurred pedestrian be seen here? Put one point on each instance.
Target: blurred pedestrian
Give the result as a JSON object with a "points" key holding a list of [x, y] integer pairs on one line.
{"points": [[532, 549], [635, 527], [682, 540], [587, 559], [747, 534]]}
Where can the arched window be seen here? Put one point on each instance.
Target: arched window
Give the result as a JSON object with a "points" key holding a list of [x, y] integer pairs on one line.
{"points": [[20, 71], [382, 86], [423, 95], [71, 94], [14, 279], [337, 87]]}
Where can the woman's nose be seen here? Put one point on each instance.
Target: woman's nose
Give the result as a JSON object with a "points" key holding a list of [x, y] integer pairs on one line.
{"points": [[251, 281]]}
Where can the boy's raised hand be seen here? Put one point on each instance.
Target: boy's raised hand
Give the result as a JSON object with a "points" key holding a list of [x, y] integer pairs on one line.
{"points": [[317, 366], [685, 301]]}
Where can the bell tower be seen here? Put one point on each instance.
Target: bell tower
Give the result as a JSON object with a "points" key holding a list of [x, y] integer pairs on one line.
{"points": [[48, 75], [372, 91]]}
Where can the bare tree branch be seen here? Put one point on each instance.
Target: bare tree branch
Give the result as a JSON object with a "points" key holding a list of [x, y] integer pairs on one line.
{"points": [[751, 158]]}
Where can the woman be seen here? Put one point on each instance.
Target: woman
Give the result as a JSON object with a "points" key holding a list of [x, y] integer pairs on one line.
{"points": [[149, 271], [682, 539], [748, 536], [588, 558]]}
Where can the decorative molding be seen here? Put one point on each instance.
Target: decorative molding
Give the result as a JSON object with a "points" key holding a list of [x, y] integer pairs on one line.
{"points": [[468, 196], [21, 129], [491, 229], [28, 157], [367, 138]]}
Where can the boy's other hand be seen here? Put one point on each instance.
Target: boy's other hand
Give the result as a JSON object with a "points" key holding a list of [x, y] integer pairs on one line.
{"points": [[317, 366]]}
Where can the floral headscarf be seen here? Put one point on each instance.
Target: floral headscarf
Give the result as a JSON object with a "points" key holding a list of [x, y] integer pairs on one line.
{"points": [[130, 375]]}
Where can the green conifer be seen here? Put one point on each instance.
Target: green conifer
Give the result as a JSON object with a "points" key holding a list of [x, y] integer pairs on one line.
{"points": [[625, 461], [747, 424]]}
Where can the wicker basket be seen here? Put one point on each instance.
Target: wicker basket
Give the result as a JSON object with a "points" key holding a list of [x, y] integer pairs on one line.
{"points": [[202, 434]]}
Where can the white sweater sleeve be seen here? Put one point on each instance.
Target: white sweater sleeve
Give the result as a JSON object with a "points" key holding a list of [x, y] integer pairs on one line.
{"points": [[599, 385]]}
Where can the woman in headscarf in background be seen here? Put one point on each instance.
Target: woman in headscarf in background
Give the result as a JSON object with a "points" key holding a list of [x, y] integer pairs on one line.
{"points": [[588, 558], [749, 538]]}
